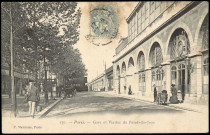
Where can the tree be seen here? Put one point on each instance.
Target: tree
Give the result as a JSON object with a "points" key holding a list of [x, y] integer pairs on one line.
{"points": [[45, 20], [12, 22], [34, 26], [16, 20], [69, 64]]}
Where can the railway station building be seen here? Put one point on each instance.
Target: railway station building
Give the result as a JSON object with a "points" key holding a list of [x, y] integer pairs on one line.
{"points": [[167, 43]]}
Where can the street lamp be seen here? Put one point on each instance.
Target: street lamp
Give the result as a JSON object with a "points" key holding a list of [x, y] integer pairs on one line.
{"points": [[46, 68], [51, 96]]}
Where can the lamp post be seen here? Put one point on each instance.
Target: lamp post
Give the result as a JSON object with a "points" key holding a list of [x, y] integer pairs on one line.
{"points": [[51, 92], [45, 82], [46, 67]]}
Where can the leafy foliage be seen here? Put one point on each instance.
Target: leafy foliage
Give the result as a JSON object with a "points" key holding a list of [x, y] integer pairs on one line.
{"points": [[69, 64], [37, 26]]}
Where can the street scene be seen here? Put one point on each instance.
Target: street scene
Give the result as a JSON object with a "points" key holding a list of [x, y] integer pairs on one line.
{"points": [[105, 67], [100, 103]]}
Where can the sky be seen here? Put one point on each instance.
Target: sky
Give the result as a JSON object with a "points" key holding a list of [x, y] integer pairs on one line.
{"points": [[95, 57]]}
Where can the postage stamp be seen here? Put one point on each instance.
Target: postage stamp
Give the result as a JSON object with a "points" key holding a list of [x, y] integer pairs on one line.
{"points": [[103, 20]]}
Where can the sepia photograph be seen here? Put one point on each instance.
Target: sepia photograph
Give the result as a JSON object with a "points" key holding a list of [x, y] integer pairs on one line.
{"points": [[105, 67]]}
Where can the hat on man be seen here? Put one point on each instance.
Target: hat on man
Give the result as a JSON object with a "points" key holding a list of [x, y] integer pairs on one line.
{"points": [[32, 81]]}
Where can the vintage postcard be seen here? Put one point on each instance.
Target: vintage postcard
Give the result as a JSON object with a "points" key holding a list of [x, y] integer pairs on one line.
{"points": [[105, 67]]}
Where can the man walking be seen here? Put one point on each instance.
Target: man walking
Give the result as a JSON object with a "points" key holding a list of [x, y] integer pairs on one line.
{"points": [[33, 98]]}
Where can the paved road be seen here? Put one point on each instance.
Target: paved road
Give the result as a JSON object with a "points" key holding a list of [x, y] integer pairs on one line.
{"points": [[93, 103], [99, 112]]}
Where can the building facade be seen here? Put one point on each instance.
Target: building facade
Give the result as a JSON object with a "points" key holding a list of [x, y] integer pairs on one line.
{"points": [[167, 44], [103, 82], [21, 77]]}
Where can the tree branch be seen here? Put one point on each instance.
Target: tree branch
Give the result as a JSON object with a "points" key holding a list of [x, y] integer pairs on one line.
{"points": [[6, 21], [5, 11], [18, 28]]}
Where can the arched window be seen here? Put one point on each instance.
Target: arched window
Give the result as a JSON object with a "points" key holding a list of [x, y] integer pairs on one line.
{"points": [[123, 68], [205, 29], [130, 62], [156, 57], [141, 66], [179, 45], [159, 74], [153, 76], [205, 45], [141, 61], [204, 36], [173, 73]]}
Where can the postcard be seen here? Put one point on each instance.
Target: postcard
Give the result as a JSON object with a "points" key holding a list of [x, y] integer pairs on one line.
{"points": [[105, 67]]}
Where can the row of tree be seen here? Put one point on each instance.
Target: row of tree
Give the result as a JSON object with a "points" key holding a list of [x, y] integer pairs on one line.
{"points": [[42, 30]]}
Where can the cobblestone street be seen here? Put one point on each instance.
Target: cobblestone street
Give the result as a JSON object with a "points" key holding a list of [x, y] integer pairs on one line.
{"points": [[102, 112], [101, 103]]}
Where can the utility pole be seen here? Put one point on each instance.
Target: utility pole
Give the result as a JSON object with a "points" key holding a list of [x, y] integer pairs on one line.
{"points": [[105, 77], [45, 81], [13, 94], [35, 41]]}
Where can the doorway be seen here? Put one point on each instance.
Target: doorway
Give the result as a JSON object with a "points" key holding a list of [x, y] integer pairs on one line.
{"points": [[181, 79]]}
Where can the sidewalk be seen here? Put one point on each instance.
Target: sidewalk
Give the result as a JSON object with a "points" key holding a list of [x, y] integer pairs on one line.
{"points": [[182, 106], [22, 107]]}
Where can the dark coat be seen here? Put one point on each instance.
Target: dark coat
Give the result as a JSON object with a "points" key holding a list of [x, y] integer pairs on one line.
{"points": [[155, 92], [33, 94], [173, 99]]}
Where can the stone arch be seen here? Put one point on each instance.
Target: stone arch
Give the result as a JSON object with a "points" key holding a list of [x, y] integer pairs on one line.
{"points": [[123, 67], [203, 47], [131, 62], [155, 55], [197, 33], [204, 27], [141, 60], [188, 32], [179, 45], [153, 40]]}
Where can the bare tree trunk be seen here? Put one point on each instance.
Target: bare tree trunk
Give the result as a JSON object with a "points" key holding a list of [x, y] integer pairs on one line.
{"points": [[9, 86], [13, 94], [21, 87]]}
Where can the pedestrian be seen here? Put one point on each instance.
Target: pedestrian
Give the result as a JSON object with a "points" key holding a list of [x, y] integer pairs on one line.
{"points": [[183, 93], [60, 90], [74, 91], [173, 99], [32, 97], [57, 91], [129, 90], [155, 92]]}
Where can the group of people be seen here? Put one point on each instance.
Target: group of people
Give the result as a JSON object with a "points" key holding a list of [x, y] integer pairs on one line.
{"points": [[174, 99]]}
